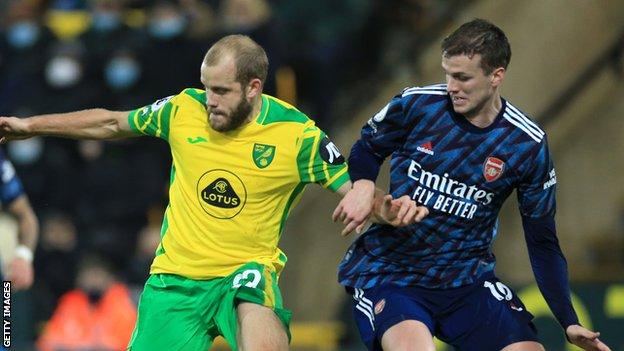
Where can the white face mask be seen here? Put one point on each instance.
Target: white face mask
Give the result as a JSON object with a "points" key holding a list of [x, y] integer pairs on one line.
{"points": [[63, 72], [25, 152]]}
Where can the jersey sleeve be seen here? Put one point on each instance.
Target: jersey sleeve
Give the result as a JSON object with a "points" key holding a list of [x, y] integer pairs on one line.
{"points": [[10, 185], [155, 119], [386, 131], [536, 192], [319, 160]]}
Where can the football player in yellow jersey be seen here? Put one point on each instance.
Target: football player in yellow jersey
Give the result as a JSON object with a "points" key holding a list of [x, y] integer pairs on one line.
{"points": [[241, 160]]}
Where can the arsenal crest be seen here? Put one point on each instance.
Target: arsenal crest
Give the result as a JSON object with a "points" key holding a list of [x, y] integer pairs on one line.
{"points": [[493, 168]]}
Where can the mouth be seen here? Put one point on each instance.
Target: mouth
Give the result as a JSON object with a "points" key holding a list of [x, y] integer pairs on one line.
{"points": [[216, 113], [459, 100]]}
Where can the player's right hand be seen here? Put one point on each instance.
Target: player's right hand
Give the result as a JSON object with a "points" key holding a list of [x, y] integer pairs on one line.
{"points": [[13, 128], [585, 339], [356, 207]]}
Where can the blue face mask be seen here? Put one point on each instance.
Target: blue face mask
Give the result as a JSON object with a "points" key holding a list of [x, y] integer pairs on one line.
{"points": [[167, 28], [122, 73], [23, 34], [105, 21]]}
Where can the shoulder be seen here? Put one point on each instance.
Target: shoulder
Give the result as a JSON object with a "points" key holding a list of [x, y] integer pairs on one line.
{"points": [[278, 111], [416, 97], [522, 122], [435, 89], [192, 96]]}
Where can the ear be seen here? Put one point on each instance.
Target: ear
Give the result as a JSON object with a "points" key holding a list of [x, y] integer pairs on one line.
{"points": [[254, 88], [497, 77]]}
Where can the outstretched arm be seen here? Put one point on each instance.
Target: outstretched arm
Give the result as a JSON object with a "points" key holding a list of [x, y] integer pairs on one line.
{"points": [[85, 124]]}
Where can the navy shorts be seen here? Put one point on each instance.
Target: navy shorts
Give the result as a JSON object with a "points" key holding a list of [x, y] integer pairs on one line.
{"points": [[485, 316]]}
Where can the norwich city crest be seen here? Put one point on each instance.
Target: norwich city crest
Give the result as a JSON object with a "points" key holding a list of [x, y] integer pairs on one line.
{"points": [[263, 154]]}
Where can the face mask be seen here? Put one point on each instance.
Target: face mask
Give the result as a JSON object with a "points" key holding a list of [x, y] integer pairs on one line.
{"points": [[105, 21], [167, 28], [25, 152], [63, 72], [23, 34], [122, 73]]}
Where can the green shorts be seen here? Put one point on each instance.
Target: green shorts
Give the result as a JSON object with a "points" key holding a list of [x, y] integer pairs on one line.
{"points": [[177, 313]]}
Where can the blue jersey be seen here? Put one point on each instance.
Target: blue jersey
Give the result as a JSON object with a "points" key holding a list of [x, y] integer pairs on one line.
{"points": [[10, 185], [462, 174]]}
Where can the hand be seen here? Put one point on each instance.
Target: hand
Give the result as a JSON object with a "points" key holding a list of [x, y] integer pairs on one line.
{"points": [[13, 128], [21, 273], [356, 206], [399, 212], [585, 339]]}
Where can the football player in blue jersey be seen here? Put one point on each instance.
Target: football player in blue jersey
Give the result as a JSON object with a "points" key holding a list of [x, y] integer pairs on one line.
{"points": [[459, 149], [14, 201]]}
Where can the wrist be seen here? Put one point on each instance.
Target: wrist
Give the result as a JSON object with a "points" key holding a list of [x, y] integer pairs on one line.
{"points": [[364, 185], [23, 252]]}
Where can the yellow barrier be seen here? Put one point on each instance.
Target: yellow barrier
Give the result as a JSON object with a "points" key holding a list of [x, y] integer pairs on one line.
{"points": [[321, 336]]}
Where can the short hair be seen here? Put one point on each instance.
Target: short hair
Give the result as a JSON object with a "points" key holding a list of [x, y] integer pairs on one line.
{"points": [[250, 58], [479, 37]]}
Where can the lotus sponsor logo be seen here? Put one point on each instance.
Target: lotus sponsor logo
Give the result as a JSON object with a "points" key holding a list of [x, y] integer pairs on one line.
{"points": [[221, 193]]}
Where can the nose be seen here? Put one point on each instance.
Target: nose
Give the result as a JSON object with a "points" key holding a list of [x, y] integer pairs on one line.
{"points": [[212, 99], [451, 85]]}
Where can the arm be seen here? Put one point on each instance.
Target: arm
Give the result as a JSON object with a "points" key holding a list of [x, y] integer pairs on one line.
{"points": [[21, 269], [551, 273], [383, 134], [86, 124], [536, 197]]}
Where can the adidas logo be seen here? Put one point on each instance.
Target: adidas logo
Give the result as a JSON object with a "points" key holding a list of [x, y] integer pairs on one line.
{"points": [[426, 148]]}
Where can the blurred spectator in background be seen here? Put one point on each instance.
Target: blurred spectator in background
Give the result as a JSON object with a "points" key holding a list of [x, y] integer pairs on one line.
{"points": [[56, 261], [170, 58], [107, 33], [323, 37], [255, 19], [67, 73], [98, 315], [147, 243], [22, 41]]}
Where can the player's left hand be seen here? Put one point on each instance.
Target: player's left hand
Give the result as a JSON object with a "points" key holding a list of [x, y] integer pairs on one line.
{"points": [[21, 273], [399, 212], [585, 339]]}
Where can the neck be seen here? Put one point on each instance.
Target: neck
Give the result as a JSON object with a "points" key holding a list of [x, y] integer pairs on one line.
{"points": [[255, 110], [486, 114]]}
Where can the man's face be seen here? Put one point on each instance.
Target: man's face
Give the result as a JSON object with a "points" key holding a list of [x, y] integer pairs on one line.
{"points": [[467, 84], [227, 104]]}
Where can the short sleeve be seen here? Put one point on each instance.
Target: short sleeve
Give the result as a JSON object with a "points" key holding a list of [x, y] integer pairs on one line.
{"points": [[154, 119], [319, 160]]}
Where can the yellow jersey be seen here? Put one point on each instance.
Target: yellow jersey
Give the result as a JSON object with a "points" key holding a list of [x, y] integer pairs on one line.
{"points": [[231, 192]]}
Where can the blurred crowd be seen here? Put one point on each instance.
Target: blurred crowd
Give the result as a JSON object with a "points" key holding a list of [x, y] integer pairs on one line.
{"points": [[105, 200]]}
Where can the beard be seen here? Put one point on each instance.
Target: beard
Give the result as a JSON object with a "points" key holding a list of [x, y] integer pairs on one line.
{"points": [[234, 120]]}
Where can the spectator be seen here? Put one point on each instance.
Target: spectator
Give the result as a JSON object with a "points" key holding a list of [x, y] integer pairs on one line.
{"points": [[98, 315]]}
